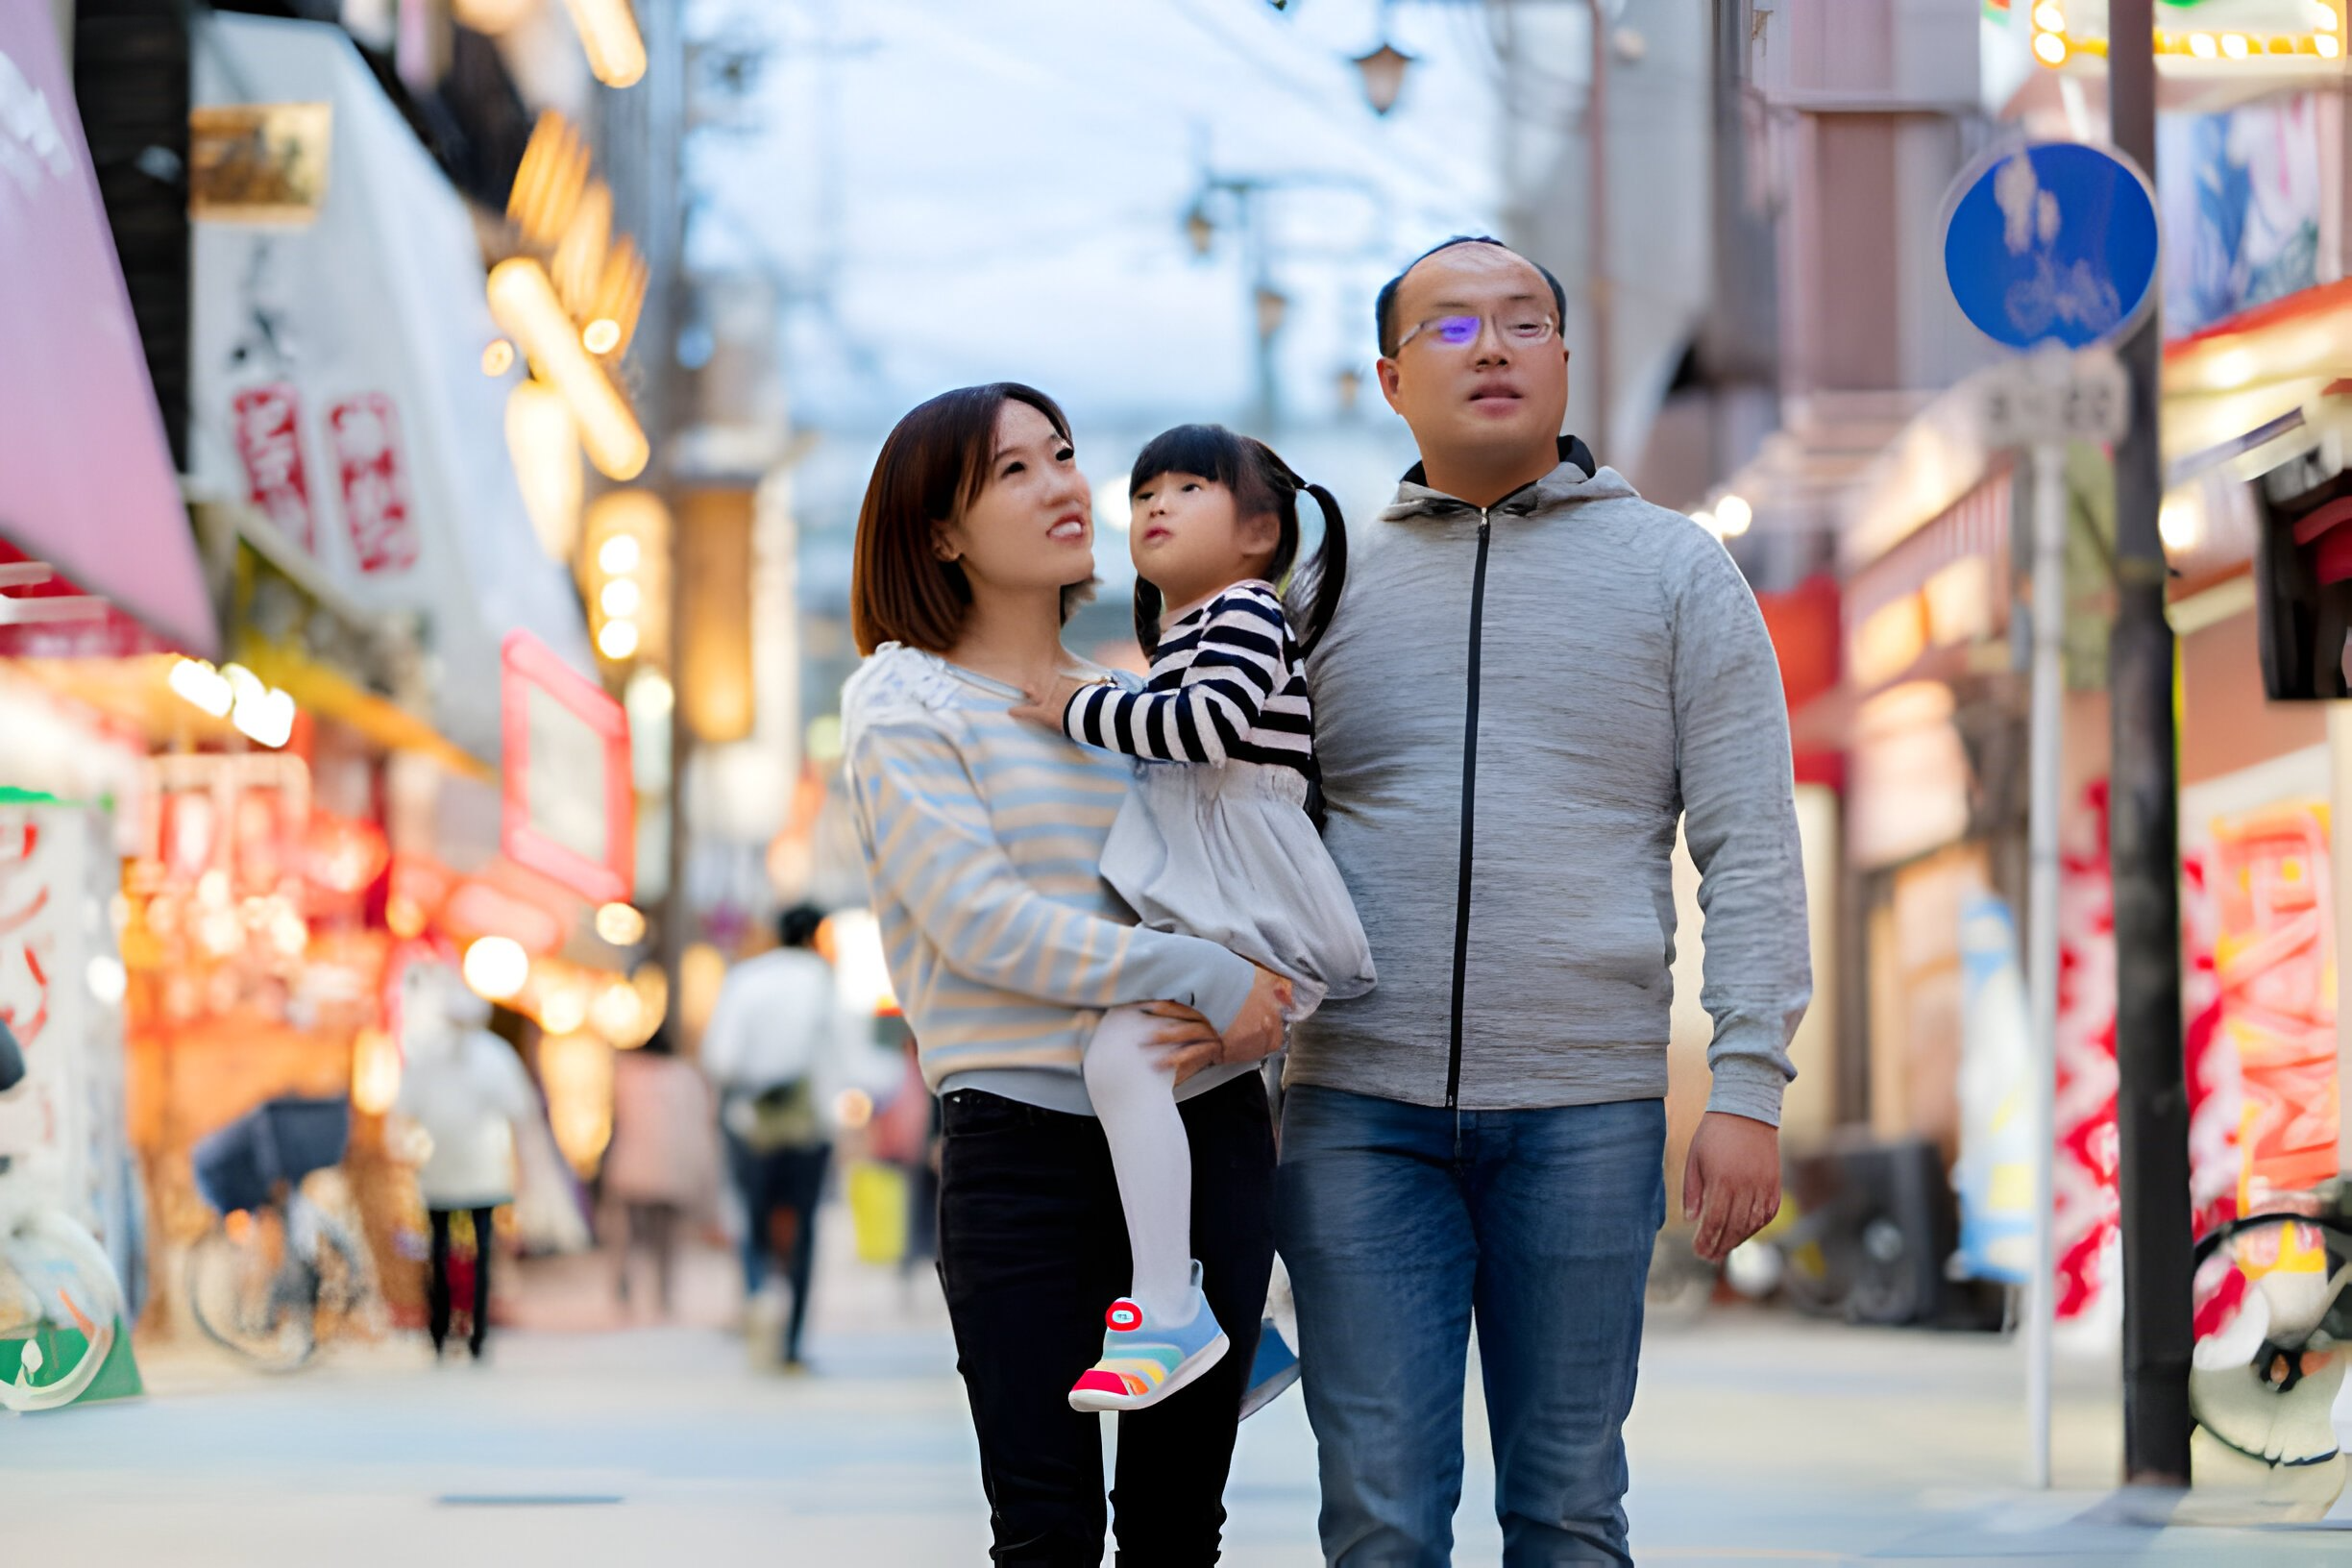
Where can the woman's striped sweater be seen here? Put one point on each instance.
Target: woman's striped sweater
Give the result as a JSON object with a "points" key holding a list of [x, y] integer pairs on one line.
{"points": [[982, 836]]}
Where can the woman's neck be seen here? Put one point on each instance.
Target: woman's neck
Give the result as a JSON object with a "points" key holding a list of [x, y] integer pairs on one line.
{"points": [[1013, 637]]}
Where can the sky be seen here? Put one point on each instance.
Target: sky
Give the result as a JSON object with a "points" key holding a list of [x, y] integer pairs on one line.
{"points": [[955, 192]]}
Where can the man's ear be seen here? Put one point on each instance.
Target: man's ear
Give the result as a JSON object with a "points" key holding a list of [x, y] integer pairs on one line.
{"points": [[1389, 379]]}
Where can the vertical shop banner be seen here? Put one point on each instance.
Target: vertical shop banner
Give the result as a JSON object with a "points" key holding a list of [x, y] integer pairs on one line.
{"points": [[2241, 194], [268, 423], [366, 442], [2083, 1178], [2274, 961], [1999, 1121]]}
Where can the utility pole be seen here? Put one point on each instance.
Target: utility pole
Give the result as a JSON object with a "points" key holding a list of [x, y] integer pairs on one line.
{"points": [[2144, 838]]}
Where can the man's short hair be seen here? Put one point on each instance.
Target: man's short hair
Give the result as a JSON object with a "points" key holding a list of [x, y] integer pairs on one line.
{"points": [[796, 926], [1384, 306]]}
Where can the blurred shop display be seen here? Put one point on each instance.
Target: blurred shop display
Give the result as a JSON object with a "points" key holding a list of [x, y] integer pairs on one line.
{"points": [[72, 1235], [2241, 196], [337, 388]]}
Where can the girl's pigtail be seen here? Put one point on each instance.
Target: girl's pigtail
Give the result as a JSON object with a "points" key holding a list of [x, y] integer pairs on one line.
{"points": [[1331, 570], [1148, 607]]}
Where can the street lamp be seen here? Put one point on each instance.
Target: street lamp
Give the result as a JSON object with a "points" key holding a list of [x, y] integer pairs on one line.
{"points": [[1384, 75]]}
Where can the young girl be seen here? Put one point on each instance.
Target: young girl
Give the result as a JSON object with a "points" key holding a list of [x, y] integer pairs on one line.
{"points": [[1215, 839]]}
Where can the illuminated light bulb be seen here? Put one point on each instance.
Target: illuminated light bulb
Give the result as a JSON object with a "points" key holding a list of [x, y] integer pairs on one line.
{"points": [[1707, 520], [2050, 48], [1733, 515], [2234, 45], [202, 686], [376, 1072], [522, 302], [618, 640], [496, 968], [2181, 525], [403, 916], [108, 979], [2232, 369], [2324, 17], [2047, 16], [618, 1014], [498, 357], [620, 555], [601, 335], [563, 1012], [608, 33], [619, 924], [2203, 46], [621, 598], [2327, 46]]}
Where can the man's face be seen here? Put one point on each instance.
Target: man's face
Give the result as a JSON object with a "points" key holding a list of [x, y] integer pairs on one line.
{"points": [[1486, 392]]}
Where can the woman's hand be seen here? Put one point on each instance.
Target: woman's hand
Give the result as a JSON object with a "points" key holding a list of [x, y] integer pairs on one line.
{"points": [[1047, 708], [1191, 1043]]}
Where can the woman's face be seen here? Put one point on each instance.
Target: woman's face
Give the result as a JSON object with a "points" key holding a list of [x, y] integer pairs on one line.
{"points": [[1032, 526]]}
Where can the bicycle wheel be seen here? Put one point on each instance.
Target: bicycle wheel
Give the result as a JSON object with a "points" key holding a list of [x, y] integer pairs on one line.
{"points": [[255, 1301]]}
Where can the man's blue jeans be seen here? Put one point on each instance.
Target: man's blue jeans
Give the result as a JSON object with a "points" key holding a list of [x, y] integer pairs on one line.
{"points": [[1400, 1223]]}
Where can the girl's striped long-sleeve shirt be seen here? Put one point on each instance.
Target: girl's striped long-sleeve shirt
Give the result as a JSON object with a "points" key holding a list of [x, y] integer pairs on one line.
{"points": [[982, 836], [1227, 684]]}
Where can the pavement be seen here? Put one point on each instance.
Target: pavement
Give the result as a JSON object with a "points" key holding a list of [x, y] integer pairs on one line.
{"points": [[590, 1439]]}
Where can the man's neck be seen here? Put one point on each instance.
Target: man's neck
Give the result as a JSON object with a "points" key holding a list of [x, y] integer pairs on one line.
{"points": [[1016, 639], [1480, 480]]}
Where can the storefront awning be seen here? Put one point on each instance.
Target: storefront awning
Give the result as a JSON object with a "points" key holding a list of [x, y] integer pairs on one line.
{"points": [[87, 483]]}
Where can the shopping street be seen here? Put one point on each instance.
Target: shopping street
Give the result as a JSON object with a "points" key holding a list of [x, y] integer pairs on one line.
{"points": [[1758, 1438]]}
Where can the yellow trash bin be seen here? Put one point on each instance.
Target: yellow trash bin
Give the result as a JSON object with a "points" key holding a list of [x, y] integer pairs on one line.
{"points": [[878, 1210]]}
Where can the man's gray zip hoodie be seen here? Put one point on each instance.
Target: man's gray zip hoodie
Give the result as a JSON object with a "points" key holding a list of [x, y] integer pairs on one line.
{"points": [[1587, 672]]}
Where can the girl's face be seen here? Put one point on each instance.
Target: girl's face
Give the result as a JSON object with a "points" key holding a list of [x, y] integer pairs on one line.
{"points": [[1032, 526], [1188, 541]]}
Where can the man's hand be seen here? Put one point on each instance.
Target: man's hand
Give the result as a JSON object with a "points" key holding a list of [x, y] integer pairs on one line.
{"points": [[1192, 1043], [1732, 1181], [1047, 708]]}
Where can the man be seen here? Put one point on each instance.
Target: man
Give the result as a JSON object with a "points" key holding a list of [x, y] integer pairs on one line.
{"points": [[780, 1045], [1532, 676]]}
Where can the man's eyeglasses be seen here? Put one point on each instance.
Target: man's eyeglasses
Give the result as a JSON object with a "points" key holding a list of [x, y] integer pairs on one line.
{"points": [[1522, 327]]}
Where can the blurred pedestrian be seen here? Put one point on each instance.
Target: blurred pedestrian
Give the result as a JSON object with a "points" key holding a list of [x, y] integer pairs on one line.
{"points": [[1534, 674], [982, 836], [660, 1168], [466, 1089], [780, 1048]]}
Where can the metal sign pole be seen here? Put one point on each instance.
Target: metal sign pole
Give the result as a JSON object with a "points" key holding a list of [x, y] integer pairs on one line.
{"points": [[2049, 519]]}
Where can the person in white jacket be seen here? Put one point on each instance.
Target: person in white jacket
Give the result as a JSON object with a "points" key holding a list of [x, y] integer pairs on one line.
{"points": [[465, 1088], [780, 1046]]}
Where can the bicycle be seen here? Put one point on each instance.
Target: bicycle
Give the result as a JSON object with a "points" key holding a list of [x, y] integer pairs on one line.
{"points": [[275, 1266]]}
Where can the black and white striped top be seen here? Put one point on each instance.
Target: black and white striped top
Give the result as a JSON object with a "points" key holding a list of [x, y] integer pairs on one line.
{"points": [[1227, 684]]}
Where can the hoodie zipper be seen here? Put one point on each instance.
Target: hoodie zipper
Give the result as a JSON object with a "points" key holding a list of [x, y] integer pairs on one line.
{"points": [[1469, 809]]}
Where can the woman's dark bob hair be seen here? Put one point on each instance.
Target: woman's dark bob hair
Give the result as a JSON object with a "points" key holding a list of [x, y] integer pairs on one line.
{"points": [[934, 465]]}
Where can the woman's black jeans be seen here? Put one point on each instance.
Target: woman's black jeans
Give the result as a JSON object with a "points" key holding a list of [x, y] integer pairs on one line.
{"points": [[1032, 1250]]}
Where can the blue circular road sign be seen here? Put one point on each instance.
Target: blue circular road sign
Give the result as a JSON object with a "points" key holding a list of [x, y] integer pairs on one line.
{"points": [[2052, 243]]}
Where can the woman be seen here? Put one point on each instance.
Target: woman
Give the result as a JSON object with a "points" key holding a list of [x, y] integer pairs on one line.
{"points": [[661, 1168], [982, 835]]}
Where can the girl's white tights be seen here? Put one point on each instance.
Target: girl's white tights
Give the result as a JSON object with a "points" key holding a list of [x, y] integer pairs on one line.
{"points": [[1135, 1098]]}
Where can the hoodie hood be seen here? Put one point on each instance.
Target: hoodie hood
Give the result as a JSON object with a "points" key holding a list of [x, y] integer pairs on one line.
{"points": [[1579, 478]]}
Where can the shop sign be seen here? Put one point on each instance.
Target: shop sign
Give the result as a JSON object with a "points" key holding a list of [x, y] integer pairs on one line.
{"points": [[269, 445], [2241, 192], [259, 163], [569, 806], [366, 442]]}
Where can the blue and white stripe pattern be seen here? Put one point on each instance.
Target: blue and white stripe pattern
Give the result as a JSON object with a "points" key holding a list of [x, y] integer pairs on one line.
{"points": [[1227, 684], [982, 836]]}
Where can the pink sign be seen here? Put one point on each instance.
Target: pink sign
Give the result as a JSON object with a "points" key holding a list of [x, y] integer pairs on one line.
{"points": [[269, 444], [2083, 1206], [366, 439], [85, 475]]}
